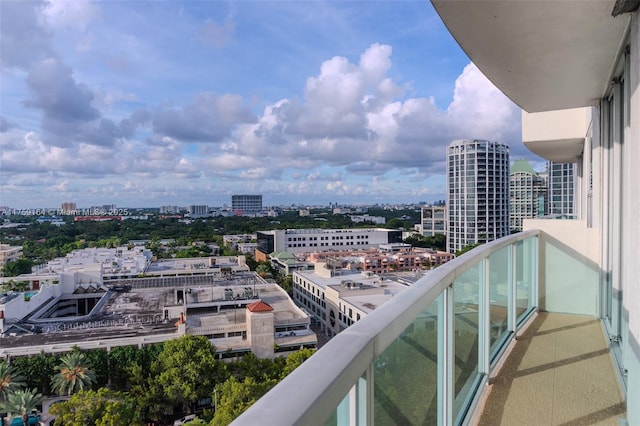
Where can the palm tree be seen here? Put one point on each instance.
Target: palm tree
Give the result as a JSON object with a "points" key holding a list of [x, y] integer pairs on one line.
{"points": [[21, 403], [10, 380], [73, 374]]}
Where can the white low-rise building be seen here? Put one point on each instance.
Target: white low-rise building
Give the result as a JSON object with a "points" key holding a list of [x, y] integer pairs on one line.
{"points": [[308, 240], [337, 298], [114, 262], [378, 220], [238, 313], [9, 253]]}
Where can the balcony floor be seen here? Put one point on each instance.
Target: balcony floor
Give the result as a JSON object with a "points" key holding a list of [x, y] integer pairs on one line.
{"points": [[560, 372]]}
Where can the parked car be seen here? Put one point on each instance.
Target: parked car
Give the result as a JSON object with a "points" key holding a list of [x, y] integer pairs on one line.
{"points": [[184, 420]]}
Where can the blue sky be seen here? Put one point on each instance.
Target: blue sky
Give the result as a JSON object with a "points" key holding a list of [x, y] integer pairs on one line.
{"points": [[148, 103]]}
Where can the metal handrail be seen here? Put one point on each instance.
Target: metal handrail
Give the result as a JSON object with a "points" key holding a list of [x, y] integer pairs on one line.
{"points": [[311, 393]]}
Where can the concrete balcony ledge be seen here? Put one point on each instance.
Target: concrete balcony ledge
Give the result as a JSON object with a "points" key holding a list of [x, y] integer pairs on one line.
{"points": [[556, 135]]}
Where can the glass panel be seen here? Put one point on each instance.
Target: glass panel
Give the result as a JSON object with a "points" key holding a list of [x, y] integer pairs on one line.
{"points": [[525, 274], [465, 324], [341, 415], [498, 296], [405, 375], [609, 207], [362, 401]]}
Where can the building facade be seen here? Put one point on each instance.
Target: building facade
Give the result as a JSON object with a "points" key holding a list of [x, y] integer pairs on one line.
{"points": [[215, 297], [169, 209], [309, 240], [527, 194], [339, 299], [9, 253], [434, 220], [561, 188], [68, 208], [477, 192], [198, 210], [246, 203]]}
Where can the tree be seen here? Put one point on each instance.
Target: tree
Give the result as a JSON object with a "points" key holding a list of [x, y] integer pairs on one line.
{"points": [[103, 407], [237, 396], [123, 358], [149, 399], [186, 370], [10, 380], [99, 361], [294, 360], [258, 368], [20, 403], [251, 262], [73, 374], [264, 269], [466, 248], [438, 241], [32, 369], [286, 282], [17, 267]]}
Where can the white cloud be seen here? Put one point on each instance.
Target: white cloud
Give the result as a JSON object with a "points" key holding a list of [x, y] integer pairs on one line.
{"points": [[480, 107], [352, 129], [347, 120], [209, 118], [375, 62], [76, 14], [24, 38]]}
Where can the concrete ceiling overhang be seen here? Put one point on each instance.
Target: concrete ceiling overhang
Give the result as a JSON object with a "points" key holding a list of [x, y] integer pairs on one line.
{"points": [[544, 55], [559, 151]]}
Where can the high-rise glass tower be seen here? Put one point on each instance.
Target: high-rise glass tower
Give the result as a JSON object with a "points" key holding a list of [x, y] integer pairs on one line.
{"points": [[478, 192], [528, 194]]}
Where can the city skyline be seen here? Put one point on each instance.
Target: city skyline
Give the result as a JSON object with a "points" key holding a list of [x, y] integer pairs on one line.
{"points": [[148, 104]]}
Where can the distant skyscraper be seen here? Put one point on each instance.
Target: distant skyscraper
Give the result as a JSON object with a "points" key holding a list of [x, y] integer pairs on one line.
{"points": [[528, 194], [69, 208], [198, 210], [478, 192], [561, 178], [246, 203]]}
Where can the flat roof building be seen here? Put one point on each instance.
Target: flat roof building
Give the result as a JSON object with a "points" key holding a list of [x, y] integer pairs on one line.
{"points": [[246, 203], [80, 307], [308, 240], [339, 298], [9, 253]]}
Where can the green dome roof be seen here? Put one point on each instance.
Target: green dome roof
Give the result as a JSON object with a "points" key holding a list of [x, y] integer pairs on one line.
{"points": [[522, 166]]}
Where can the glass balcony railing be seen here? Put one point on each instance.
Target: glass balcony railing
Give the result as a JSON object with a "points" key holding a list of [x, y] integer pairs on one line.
{"points": [[422, 357]]}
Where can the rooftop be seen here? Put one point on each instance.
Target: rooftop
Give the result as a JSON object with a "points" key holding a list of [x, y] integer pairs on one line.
{"points": [[368, 293], [145, 311], [522, 166]]}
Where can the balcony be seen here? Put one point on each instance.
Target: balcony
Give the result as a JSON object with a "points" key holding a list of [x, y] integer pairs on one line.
{"points": [[479, 322], [556, 135]]}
